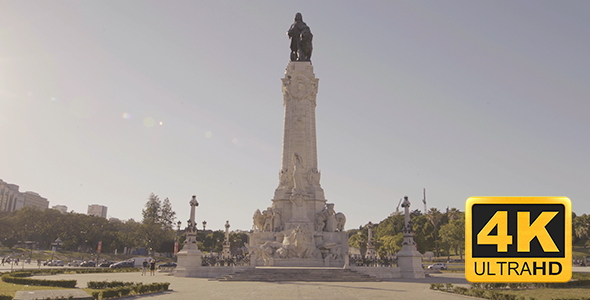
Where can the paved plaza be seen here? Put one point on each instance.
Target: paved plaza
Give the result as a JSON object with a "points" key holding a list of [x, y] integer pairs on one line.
{"points": [[192, 288], [198, 288]]}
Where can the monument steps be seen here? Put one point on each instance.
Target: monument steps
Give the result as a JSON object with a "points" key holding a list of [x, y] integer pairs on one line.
{"points": [[299, 274]]}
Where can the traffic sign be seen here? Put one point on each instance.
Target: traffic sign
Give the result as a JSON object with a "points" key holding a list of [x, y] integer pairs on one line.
{"points": [[518, 239]]}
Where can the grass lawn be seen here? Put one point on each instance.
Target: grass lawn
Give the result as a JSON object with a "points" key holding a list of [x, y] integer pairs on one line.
{"points": [[580, 252], [11, 288]]}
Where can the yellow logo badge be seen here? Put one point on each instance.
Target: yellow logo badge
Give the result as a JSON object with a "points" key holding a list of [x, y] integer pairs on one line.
{"points": [[518, 239]]}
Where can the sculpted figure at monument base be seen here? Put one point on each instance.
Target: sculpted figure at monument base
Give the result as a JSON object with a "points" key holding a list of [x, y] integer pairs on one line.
{"points": [[300, 246], [301, 242], [330, 221]]}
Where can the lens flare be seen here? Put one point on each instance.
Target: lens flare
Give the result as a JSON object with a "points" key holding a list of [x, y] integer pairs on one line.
{"points": [[208, 134], [127, 116], [149, 122]]}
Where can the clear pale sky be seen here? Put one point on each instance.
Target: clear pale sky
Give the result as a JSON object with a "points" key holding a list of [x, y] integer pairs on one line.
{"points": [[106, 102]]}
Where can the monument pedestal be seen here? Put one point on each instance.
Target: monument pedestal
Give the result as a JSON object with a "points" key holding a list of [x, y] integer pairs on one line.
{"points": [[226, 252], [189, 261], [409, 261]]}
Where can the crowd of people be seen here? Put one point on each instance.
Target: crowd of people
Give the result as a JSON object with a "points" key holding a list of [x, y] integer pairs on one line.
{"points": [[6, 260]]}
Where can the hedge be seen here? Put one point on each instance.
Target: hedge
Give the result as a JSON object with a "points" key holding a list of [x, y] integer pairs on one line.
{"points": [[21, 279], [21, 274], [98, 285], [122, 289], [5, 297]]}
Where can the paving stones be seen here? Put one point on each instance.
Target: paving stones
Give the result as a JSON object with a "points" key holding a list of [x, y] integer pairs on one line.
{"points": [[52, 294], [299, 274]]}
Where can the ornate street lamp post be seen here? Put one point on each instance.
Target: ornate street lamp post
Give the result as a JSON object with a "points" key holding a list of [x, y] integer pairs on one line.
{"points": [[177, 236]]}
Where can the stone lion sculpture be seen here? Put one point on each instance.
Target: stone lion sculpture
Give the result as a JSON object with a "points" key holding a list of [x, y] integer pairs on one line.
{"points": [[340, 221], [258, 220]]}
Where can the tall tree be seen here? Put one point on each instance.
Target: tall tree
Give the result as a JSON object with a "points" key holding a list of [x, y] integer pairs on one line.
{"points": [[167, 215], [453, 235], [152, 210], [157, 223], [435, 217]]}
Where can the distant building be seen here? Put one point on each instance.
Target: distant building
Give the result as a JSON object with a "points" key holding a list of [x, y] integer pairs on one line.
{"points": [[97, 210], [33, 199], [61, 208], [10, 198]]}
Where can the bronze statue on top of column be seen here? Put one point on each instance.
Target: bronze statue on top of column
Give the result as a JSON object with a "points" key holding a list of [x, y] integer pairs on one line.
{"points": [[301, 38]]}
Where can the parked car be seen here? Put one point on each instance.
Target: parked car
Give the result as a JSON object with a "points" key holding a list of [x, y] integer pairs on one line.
{"points": [[75, 263], [88, 264], [438, 266], [47, 262], [56, 263], [106, 264], [123, 264], [170, 264], [456, 261]]}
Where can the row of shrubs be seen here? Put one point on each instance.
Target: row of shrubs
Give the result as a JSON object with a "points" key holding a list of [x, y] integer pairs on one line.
{"points": [[20, 274], [475, 292], [127, 289], [21, 278], [536, 285], [98, 285], [6, 297]]}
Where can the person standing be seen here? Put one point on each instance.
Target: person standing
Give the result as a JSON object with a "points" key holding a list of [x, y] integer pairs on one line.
{"points": [[144, 267], [153, 267]]}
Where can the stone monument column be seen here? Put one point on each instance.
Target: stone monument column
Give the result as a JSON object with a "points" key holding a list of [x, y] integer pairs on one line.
{"points": [[371, 254], [226, 252], [299, 228], [409, 259], [299, 195], [189, 258]]}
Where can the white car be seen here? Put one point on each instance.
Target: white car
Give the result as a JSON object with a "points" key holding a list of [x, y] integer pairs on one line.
{"points": [[56, 263], [438, 266]]}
